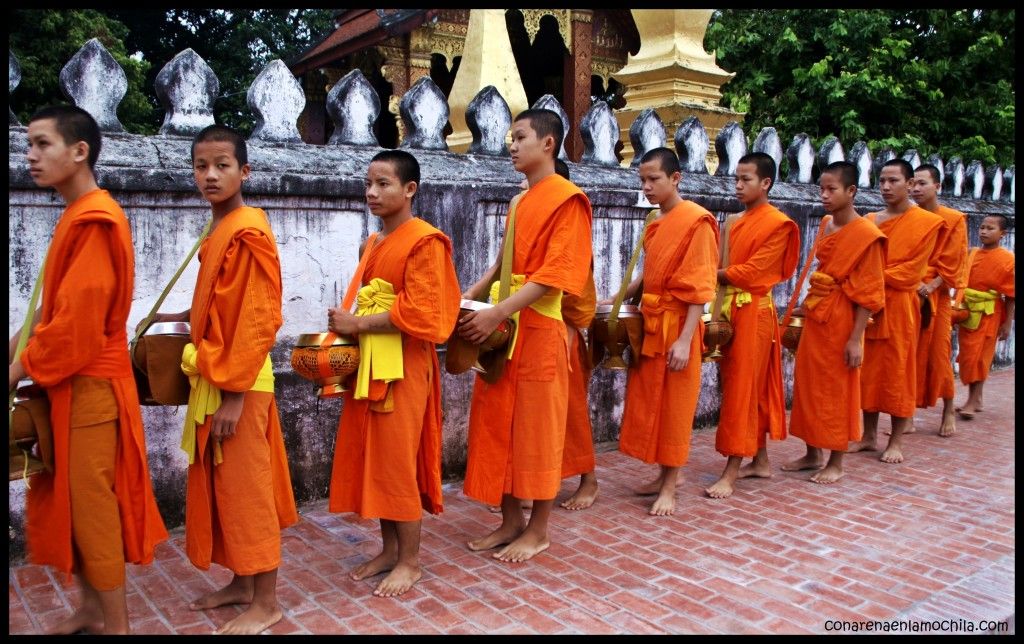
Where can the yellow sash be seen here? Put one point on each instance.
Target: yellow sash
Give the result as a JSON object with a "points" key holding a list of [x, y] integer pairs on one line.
{"points": [[548, 305], [738, 295], [978, 303], [204, 400], [661, 315], [380, 354]]}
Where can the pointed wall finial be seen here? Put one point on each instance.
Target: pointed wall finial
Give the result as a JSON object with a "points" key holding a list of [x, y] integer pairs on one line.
{"points": [[187, 88], [354, 107], [277, 100], [96, 83], [488, 119]]}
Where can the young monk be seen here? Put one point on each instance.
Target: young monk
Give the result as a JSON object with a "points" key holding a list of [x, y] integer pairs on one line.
{"points": [[517, 425], [764, 247], [990, 297], [680, 256], [847, 287], [946, 270], [387, 457], [888, 377], [239, 493], [96, 510]]}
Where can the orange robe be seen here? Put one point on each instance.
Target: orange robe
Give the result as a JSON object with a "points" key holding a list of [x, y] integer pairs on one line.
{"points": [[764, 247], [388, 464], [990, 270], [234, 511], [826, 393], [87, 294], [680, 256], [888, 377], [517, 425], [578, 313], [935, 346]]}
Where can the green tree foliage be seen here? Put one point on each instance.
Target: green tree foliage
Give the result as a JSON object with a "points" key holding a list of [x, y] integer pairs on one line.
{"points": [[937, 80], [236, 44], [44, 41]]}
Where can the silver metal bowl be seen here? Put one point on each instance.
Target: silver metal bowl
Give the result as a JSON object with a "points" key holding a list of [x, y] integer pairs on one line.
{"points": [[316, 339], [169, 328]]}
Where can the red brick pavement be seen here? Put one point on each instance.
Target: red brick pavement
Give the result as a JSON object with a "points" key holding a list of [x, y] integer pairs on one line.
{"points": [[930, 539]]}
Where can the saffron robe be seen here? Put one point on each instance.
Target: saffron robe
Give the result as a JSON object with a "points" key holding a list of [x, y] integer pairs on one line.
{"points": [[578, 313], [888, 377], [680, 256], [991, 270], [517, 425], [387, 465], [935, 346], [234, 511], [764, 248], [826, 393], [87, 295]]}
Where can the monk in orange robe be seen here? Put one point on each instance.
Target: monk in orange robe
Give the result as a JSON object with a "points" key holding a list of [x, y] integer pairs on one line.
{"points": [[517, 424], [946, 270], [680, 255], [96, 509], [990, 297], [888, 378], [847, 287], [387, 456], [764, 247], [239, 493]]}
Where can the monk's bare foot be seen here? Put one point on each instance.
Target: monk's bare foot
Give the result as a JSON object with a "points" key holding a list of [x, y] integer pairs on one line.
{"points": [[496, 509], [867, 445], [401, 579], [526, 546], [664, 505], [756, 470], [909, 430], [253, 621], [892, 454], [720, 490], [83, 619], [967, 413], [830, 474], [650, 488], [583, 498], [381, 563], [948, 426], [503, 535], [808, 462], [234, 593]]}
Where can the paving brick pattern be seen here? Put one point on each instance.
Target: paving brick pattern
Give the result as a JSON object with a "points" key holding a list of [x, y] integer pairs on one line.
{"points": [[930, 539]]}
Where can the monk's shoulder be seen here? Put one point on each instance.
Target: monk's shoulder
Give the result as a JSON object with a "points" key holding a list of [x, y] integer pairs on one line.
{"points": [[952, 215], [926, 217]]}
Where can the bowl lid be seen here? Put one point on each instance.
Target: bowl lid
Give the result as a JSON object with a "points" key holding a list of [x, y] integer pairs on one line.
{"points": [[316, 339], [169, 328], [473, 305], [625, 311]]}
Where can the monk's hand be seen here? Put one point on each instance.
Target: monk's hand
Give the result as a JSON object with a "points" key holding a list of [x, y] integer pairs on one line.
{"points": [[678, 355], [1004, 330], [477, 326], [853, 354], [798, 311], [924, 290], [225, 419], [342, 322]]}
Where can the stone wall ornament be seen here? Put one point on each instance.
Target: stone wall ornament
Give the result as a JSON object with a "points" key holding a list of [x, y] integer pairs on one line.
{"points": [[549, 102], [767, 141], [600, 132], [488, 118], [187, 88], [860, 156], [425, 112], [993, 183], [831, 150], [912, 157], [354, 106], [884, 156], [277, 100], [936, 161], [953, 183], [13, 79], [692, 145], [645, 134], [974, 180], [730, 146], [96, 83], [1009, 180], [801, 159]]}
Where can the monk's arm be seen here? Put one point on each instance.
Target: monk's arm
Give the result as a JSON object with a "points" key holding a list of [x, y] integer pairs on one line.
{"points": [[1004, 328], [679, 353], [763, 261], [17, 335], [478, 325], [853, 354]]}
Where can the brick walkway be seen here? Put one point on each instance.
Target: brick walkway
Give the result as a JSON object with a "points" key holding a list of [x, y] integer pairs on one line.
{"points": [[930, 539]]}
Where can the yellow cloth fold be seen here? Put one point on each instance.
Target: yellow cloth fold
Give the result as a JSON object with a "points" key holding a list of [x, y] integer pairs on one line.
{"points": [[380, 354], [548, 305], [732, 294], [661, 314], [978, 303], [204, 400]]}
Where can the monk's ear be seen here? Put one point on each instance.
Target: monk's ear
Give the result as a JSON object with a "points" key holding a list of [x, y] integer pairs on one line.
{"points": [[245, 169], [411, 188], [80, 152], [675, 177]]}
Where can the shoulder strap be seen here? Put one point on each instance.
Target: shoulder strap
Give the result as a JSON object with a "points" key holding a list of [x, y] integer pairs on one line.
{"points": [[723, 262], [621, 296], [960, 292], [167, 289], [507, 248], [807, 265]]}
